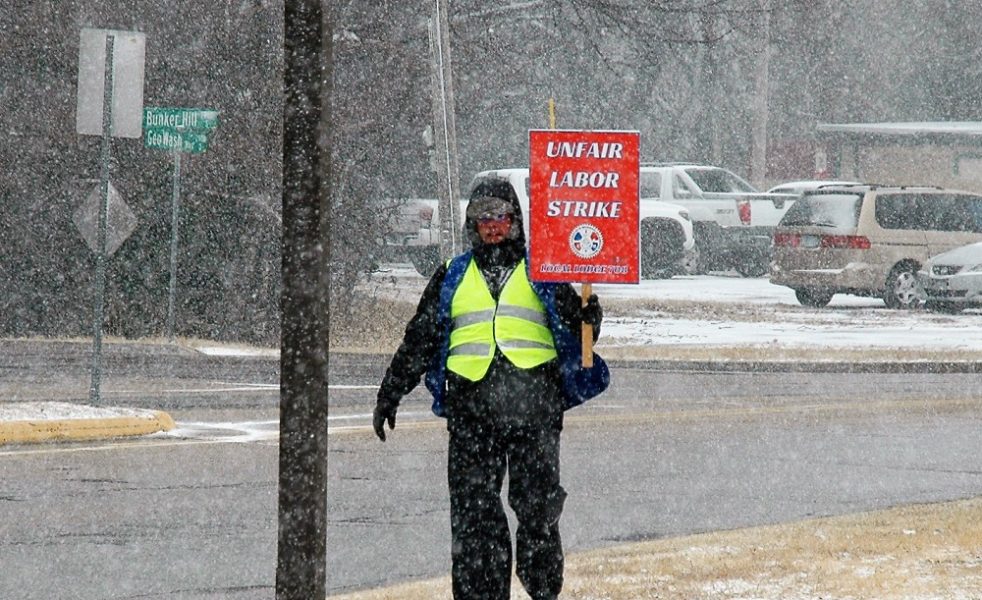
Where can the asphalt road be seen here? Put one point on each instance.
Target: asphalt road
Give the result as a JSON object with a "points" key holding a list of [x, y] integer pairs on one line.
{"points": [[731, 450], [662, 453]]}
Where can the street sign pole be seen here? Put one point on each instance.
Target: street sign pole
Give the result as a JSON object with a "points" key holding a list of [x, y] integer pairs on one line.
{"points": [[177, 130], [109, 103], [175, 210], [100, 265]]}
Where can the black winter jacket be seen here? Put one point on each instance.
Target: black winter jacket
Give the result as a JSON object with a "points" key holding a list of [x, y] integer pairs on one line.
{"points": [[507, 396]]}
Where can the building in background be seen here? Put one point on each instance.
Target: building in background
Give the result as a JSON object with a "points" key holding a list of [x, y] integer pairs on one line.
{"points": [[942, 153]]}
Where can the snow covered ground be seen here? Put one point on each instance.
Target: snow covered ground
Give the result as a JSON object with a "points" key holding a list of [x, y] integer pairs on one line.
{"points": [[758, 313]]}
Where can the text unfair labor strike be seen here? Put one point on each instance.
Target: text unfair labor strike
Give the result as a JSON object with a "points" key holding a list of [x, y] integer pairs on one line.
{"points": [[584, 179]]}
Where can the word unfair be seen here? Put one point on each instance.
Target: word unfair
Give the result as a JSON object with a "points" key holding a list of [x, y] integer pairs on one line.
{"points": [[585, 149]]}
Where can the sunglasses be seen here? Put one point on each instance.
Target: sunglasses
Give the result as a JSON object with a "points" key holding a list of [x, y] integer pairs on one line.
{"points": [[499, 218]]}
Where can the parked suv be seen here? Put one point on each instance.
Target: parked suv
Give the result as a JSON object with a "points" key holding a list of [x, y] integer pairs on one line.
{"points": [[869, 240]]}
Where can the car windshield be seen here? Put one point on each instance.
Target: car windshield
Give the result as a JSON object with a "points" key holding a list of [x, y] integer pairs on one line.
{"points": [[824, 210], [719, 181]]}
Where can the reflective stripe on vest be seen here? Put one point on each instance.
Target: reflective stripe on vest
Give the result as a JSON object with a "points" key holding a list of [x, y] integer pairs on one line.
{"points": [[518, 324]]}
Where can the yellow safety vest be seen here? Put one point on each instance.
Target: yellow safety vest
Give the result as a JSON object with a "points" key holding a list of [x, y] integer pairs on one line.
{"points": [[517, 324]]}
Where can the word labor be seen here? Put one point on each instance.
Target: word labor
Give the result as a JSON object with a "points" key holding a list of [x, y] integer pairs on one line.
{"points": [[587, 149], [580, 208], [583, 179]]}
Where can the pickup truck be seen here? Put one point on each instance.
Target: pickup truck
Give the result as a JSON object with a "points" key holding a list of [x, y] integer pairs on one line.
{"points": [[732, 221], [667, 243]]}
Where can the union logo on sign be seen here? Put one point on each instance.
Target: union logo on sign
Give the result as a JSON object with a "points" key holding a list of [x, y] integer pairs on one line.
{"points": [[586, 241]]}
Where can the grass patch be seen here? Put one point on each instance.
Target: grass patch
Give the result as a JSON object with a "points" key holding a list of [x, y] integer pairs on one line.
{"points": [[370, 324], [912, 553], [688, 309]]}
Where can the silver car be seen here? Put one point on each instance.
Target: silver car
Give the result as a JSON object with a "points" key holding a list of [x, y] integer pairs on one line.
{"points": [[952, 280]]}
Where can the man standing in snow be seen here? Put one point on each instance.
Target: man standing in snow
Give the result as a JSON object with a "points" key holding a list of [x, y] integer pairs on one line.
{"points": [[501, 356]]}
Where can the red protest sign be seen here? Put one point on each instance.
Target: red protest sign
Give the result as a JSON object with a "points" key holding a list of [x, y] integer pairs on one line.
{"points": [[583, 206]]}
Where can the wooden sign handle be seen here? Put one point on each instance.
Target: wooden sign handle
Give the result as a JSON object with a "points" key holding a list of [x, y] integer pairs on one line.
{"points": [[586, 331]]}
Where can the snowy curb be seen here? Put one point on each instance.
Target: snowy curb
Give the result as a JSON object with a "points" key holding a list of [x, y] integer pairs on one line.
{"points": [[34, 422]]}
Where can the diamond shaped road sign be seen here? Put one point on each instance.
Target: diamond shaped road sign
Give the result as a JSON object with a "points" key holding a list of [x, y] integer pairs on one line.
{"points": [[120, 221]]}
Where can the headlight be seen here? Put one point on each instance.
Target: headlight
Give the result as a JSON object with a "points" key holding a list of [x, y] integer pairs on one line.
{"points": [[684, 214], [975, 269]]}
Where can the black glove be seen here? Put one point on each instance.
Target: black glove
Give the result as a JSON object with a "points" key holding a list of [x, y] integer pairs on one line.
{"points": [[591, 313], [385, 410]]}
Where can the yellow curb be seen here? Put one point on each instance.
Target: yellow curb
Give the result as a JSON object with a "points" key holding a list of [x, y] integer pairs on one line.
{"points": [[27, 432]]}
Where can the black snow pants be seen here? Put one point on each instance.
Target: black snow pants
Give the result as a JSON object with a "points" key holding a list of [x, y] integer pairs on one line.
{"points": [[480, 454]]}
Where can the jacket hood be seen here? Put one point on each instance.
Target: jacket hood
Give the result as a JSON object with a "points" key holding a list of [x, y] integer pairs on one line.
{"points": [[500, 189]]}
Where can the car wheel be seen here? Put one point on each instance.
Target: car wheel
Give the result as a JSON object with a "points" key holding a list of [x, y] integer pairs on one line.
{"points": [[426, 260], [814, 298], [709, 242], [661, 248], [752, 266], [902, 290]]}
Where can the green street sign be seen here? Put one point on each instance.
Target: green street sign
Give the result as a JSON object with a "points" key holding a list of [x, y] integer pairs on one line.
{"points": [[182, 141], [180, 119], [181, 129]]}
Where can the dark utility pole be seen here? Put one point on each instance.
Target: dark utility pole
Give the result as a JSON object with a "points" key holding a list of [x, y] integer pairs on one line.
{"points": [[302, 545]]}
